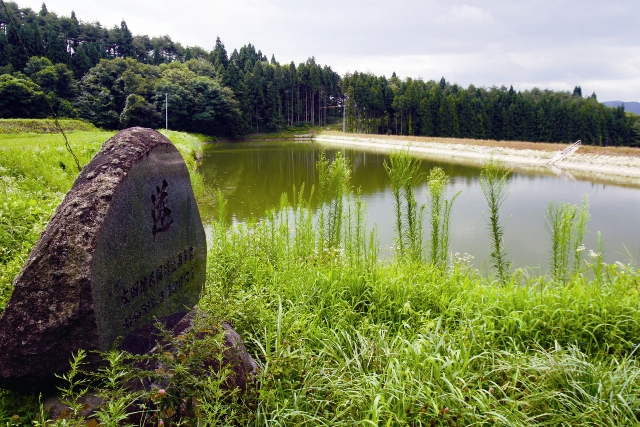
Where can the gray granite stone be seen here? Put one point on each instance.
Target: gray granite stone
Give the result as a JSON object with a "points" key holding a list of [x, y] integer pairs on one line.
{"points": [[124, 249]]}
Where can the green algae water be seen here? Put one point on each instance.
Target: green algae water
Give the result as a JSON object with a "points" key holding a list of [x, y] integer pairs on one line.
{"points": [[253, 176]]}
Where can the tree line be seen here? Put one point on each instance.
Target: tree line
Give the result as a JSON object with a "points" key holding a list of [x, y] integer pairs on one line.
{"points": [[414, 107], [115, 79]]}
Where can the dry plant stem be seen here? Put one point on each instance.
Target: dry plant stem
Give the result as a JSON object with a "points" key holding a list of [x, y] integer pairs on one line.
{"points": [[37, 82]]}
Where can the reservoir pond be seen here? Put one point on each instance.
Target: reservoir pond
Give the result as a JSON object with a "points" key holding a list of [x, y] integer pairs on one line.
{"points": [[253, 176]]}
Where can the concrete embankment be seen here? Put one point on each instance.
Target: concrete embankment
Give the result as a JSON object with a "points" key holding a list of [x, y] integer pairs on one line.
{"points": [[620, 169]]}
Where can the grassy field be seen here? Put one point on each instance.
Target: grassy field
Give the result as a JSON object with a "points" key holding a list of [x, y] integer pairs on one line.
{"points": [[42, 126], [343, 339]]}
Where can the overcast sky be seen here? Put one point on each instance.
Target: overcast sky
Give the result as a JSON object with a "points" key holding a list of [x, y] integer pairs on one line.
{"points": [[555, 44]]}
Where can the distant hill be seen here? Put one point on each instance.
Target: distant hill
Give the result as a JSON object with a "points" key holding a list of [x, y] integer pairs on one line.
{"points": [[632, 107]]}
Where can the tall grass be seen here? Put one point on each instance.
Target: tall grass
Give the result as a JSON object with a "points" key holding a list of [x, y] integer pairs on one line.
{"points": [[401, 343], [440, 217], [567, 226], [403, 170], [493, 181], [333, 187]]}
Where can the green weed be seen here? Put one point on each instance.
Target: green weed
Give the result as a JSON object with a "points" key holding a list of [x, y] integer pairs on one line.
{"points": [[567, 226], [493, 181], [332, 188], [440, 217], [403, 170]]}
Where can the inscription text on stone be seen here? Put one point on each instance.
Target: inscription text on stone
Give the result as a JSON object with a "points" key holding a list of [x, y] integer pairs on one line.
{"points": [[156, 287]]}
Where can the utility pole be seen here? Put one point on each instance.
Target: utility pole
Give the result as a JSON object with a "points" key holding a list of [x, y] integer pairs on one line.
{"points": [[344, 116], [166, 111]]}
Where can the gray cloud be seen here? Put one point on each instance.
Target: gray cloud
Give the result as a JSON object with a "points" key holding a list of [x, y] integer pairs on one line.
{"points": [[550, 44]]}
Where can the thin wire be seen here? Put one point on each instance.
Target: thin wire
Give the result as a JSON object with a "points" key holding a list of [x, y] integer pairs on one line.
{"points": [[46, 98]]}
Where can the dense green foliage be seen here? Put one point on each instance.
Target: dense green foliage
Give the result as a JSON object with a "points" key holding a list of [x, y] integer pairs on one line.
{"points": [[116, 80], [344, 339], [567, 226], [403, 172], [121, 80], [414, 107]]}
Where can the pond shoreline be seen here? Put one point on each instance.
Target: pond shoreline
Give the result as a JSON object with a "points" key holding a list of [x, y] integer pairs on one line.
{"points": [[622, 169]]}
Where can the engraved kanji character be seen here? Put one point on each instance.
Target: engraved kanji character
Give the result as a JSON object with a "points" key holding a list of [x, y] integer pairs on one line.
{"points": [[180, 259], [159, 274], [134, 291], [124, 299], [185, 255], [161, 296], [143, 284], [145, 308], [160, 213], [191, 252], [127, 323], [136, 316], [167, 268], [152, 279]]}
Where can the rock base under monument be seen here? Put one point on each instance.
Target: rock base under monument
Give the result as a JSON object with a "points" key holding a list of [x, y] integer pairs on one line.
{"points": [[191, 330]]}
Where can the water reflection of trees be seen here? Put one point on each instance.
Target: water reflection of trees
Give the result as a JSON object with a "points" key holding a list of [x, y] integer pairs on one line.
{"points": [[253, 178]]}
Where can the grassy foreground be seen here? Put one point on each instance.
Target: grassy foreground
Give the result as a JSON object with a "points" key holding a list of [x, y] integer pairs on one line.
{"points": [[40, 126], [343, 339]]}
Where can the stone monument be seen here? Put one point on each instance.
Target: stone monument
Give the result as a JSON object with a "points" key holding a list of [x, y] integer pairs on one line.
{"points": [[125, 249]]}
